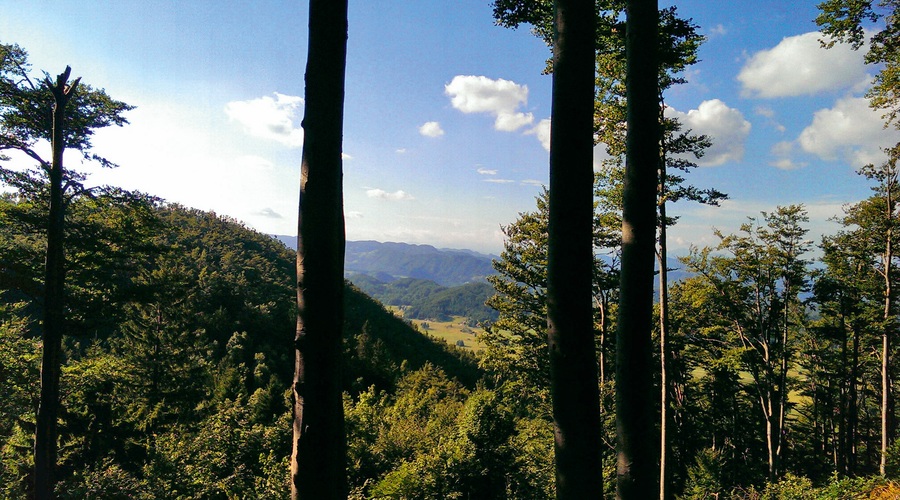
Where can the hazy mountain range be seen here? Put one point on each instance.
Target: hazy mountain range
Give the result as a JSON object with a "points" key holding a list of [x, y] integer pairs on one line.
{"points": [[392, 261]]}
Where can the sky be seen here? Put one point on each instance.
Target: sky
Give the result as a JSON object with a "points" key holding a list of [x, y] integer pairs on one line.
{"points": [[446, 119]]}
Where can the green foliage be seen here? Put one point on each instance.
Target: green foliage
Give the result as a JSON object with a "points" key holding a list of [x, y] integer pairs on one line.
{"points": [[424, 299], [434, 439], [706, 477], [852, 21], [26, 117]]}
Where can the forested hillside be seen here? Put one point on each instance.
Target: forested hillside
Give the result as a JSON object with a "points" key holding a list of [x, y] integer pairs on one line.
{"points": [[176, 374], [426, 300], [150, 350]]}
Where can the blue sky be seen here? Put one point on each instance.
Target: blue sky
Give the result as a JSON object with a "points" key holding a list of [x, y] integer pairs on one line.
{"points": [[446, 114]]}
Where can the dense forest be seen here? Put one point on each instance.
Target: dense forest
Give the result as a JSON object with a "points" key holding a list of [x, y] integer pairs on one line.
{"points": [[147, 350], [426, 300], [177, 370]]}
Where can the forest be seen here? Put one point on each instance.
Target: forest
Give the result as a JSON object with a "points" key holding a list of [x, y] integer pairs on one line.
{"points": [[152, 350]]}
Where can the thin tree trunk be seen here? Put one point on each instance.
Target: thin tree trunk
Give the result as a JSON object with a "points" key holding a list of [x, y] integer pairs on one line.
{"points": [[573, 361], [664, 359], [885, 335], [318, 468], [665, 417], [45, 445], [635, 404], [853, 424]]}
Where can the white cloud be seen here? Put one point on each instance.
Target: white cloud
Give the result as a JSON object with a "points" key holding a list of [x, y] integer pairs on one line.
{"points": [[268, 212], [784, 153], [500, 181], [431, 129], [353, 214], [718, 30], [500, 98], [384, 195], [400, 151], [799, 65], [345, 157], [726, 128], [533, 182], [849, 131], [542, 131], [271, 118], [765, 111], [486, 171]]}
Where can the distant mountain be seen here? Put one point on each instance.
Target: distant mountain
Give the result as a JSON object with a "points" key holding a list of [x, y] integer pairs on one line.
{"points": [[388, 261]]}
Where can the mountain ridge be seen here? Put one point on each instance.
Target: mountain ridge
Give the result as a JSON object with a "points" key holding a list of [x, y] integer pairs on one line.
{"points": [[389, 261]]}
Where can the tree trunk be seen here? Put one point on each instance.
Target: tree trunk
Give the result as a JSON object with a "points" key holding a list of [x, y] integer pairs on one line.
{"points": [[318, 469], [885, 334], [573, 361], [664, 415], [664, 359], [635, 401], [45, 445], [853, 410]]}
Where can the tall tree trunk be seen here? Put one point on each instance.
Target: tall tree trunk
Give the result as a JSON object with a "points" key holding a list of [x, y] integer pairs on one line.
{"points": [[853, 411], [573, 361], [664, 359], [635, 401], [45, 436], [318, 468], [665, 417], [885, 334]]}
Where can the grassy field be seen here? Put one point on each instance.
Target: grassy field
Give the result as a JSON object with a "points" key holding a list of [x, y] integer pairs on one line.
{"points": [[449, 331]]}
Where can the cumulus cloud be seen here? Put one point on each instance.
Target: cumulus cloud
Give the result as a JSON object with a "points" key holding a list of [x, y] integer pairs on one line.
{"points": [[500, 98], [850, 131], [799, 65], [784, 153], [726, 128], [271, 118], [542, 131], [384, 195], [431, 129]]}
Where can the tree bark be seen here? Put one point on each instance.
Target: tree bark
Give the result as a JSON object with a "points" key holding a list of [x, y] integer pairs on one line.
{"points": [[635, 401], [665, 417], [573, 363], [888, 259], [45, 445], [318, 468]]}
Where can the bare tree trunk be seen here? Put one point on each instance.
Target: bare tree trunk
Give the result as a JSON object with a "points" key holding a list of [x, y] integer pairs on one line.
{"points": [[664, 415], [885, 335], [573, 361], [45, 446], [318, 468], [635, 402], [853, 411]]}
